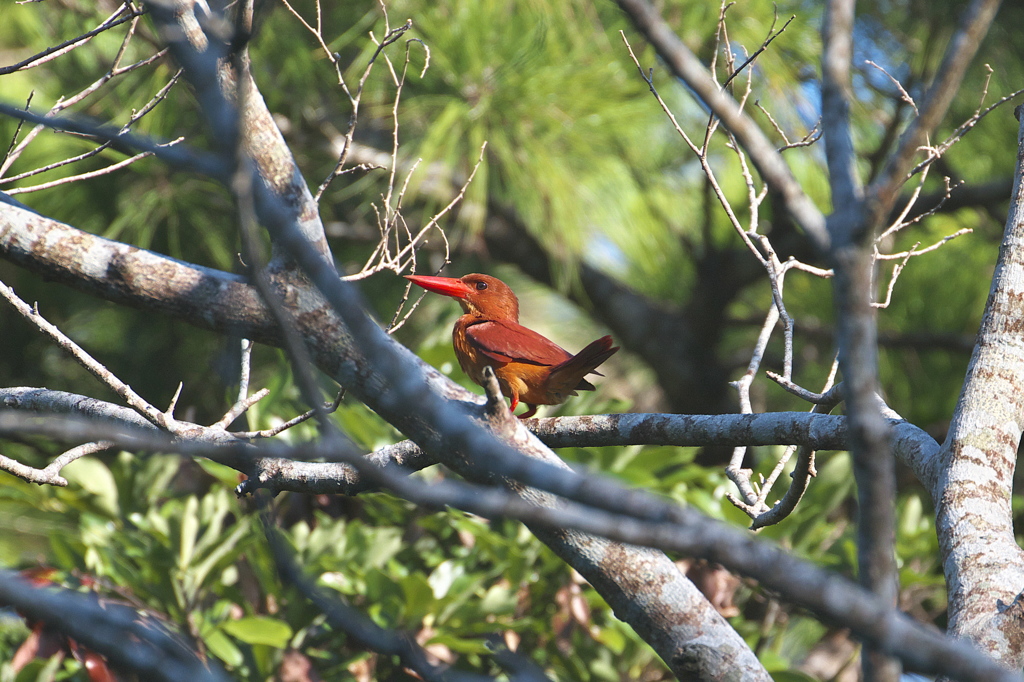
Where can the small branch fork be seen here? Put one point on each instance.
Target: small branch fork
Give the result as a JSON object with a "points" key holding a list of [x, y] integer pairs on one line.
{"points": [[129, 14], [751, 497], [803, 471], [125, 13], [397, 256], [398, 243], [750, 500], [391, 36], [164, 420]]}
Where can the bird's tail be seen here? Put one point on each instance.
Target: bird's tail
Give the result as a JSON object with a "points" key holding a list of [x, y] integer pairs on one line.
{"points": [[570, 374]]}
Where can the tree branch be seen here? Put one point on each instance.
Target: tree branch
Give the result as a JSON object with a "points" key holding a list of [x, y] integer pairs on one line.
{"points": [[858, 346], [988, 195], [117, 631], [836, 92], [974, 519], [973, 27], [685, 65], [116, 272]]}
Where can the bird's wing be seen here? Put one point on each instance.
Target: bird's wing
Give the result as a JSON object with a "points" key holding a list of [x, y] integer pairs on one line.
{"points": [[509, 342]]}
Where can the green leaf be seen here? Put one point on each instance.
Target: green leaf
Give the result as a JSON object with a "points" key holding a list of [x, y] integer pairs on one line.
{"points": [[612, 638], [443, 576], [419, 599], [499, 600], [221, 646], [226, 546], [93, 476], [189, 531], [384, 546], [259, 630]]}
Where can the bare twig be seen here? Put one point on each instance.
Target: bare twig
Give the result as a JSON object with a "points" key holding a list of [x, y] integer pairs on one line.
{"points": [[131, 398], [829, 397], [904, 95], [391, 36], [65, 103], [973, 26], [327, 408], [896, 270], [685, 65], [116, 19], [934, 153], [928, 249], [107, 170], [245, 365], [240, 407], [772, 35], [804, 469], [317, 32], [50, 474]]}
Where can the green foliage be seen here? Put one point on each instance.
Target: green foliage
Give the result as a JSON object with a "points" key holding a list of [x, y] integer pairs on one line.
{"points": [[139, 526]]}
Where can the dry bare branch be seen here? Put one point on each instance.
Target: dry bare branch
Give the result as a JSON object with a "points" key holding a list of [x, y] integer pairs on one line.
{"points": [[131, 398], [123, 14]]}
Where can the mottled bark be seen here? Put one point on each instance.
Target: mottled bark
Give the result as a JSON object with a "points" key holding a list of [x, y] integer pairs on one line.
{"points": [[984, 566]]}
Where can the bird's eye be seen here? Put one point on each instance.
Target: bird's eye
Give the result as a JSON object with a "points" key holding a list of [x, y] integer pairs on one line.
{"points": [[480, 286]]}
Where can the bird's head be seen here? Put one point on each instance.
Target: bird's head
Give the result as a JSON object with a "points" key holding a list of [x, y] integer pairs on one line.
{"points": [[480, 295]]}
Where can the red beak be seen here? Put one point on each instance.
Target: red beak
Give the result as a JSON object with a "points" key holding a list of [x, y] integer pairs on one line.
{"points": [[446, 286]]}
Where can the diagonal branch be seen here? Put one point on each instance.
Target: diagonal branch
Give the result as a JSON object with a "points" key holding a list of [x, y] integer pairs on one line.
{"points": [[973, 27], [117, 631], [974, 517], [116, 272], [686, 66]]}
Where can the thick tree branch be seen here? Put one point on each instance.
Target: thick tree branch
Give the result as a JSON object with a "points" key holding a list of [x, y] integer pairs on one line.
{"points": [[116, 272], [914, 447], [984, 567], [117, 631]]}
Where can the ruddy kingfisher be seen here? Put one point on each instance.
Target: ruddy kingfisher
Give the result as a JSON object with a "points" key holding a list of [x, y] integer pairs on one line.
{"points": [[530, 368]]}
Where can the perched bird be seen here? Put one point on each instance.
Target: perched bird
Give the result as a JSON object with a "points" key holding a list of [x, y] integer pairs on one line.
{"points": [[529, 367]]}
